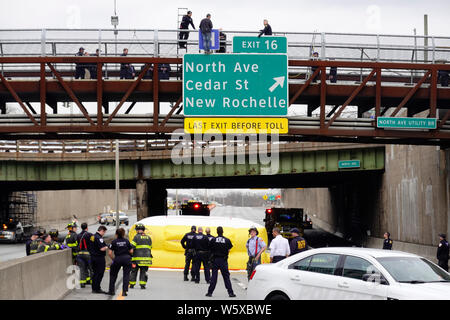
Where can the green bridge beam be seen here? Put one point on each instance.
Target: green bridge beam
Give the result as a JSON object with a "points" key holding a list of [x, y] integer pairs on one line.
{"points": [[321, 161]]}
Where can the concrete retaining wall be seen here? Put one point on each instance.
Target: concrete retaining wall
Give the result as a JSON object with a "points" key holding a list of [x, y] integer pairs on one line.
{"points": [[38, 277], [56, 208]]}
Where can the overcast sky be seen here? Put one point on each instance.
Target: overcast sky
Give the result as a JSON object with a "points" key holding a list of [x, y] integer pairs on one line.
{"points": [[358, 16]]}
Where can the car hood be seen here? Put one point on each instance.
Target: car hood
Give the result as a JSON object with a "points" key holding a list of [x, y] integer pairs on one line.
{"points": [[430, 290]]}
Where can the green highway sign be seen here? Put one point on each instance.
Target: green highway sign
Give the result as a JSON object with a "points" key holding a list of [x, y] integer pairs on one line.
{"points": [[348, 164], [259, 45], [235, 85], [406, 123]]}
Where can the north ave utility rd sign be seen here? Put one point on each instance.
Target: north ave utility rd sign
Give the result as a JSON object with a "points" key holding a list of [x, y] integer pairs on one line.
{"points": [[235, 85]]}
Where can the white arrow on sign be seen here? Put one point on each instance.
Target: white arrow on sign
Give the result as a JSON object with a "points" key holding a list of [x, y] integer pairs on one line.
{"points": [[279, 81]]}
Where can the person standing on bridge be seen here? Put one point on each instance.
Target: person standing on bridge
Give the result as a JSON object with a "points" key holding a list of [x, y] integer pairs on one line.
{"points": [[279, 247], [267, 31], [201, 255], [184, 36], [80, 67], [122, 259], [188, 244], [71, 240], [98, 252], [126, 69], [142, 256], [255, 247], [387, 243], [206, 29], [84, 257], [220, 249], [443, 252]]}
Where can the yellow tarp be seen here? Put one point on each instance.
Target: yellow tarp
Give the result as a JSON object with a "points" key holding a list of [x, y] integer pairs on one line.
{"points": [[168, 253]]}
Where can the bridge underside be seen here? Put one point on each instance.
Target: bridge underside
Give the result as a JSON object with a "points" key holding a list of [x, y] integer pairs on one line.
{"points": [[377, 90]]}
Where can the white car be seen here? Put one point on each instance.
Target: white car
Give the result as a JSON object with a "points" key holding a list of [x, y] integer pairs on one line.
{"points": [[349, 273]]}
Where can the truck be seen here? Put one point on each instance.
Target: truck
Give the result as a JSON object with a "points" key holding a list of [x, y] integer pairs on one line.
{"points": [[285, 219], [196, 208], [17, 216]]}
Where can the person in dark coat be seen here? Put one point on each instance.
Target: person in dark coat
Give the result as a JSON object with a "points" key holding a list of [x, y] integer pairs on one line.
{"points": [[164, 71], [126, 69], [183, 35], [220, 248], [97, 249], [188, 244], [206, 29], [122, 259], [267, 31], [297, 244], [387, 243], [314, 68], [222, 42], [201, 255], [149, 73], [80, 67], [443, 252]]}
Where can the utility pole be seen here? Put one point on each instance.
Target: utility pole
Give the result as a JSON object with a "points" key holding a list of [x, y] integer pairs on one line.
{"points": [[425, 39], [117, 185]]}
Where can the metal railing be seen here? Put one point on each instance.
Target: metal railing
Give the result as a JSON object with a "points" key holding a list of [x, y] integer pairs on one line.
{"points": [[164, 43]]}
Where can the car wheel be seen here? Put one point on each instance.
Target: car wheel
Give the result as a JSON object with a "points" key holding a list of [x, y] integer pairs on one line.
{"points": [[278, 297]]}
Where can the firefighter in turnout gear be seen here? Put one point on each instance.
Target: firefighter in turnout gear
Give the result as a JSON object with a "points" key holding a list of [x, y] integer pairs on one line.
{"points": [[71, 240], [142, 256], [84, 257], [34, 245], [48, 244]]}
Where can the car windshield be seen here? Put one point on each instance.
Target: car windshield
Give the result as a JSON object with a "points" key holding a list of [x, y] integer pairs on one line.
{"points": [[413, 270], [121, 214]]}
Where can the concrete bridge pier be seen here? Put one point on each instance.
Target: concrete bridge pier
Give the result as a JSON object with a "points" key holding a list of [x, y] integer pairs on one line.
{"points": [[151, 199]]}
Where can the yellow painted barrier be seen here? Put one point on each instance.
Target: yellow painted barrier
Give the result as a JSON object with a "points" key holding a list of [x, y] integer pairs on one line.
{"points": [[167, 231]]}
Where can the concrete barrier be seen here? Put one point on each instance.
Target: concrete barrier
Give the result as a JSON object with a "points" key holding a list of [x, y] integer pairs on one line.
{"points": [[38, 277]]}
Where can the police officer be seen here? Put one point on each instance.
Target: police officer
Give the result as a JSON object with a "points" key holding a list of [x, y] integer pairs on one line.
{"points": [[201, 255], [220, 248], [387, 244], [164, 71], [84, 257], [71, 240], [297, 244], [142, 256], [188, 245], [80, 67], [122, 258], [98, 252], [443, 252]]}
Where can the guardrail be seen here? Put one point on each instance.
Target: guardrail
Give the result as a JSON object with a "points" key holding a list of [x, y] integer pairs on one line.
{"points": [[164, 43]]}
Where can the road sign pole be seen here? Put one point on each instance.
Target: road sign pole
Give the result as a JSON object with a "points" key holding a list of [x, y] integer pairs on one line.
{"points": [[117, 185]]}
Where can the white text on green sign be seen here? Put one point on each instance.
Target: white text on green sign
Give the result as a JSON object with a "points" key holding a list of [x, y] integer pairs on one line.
{"points": [[346, 164], [235, 85], [259, 45], [406, 123]]}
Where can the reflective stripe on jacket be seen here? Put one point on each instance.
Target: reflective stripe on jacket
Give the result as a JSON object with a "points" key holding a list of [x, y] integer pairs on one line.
{"points": [[142, 254]]}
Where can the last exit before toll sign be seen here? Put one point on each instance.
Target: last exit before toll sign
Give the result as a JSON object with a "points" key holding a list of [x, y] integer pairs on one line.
{"points": [[235, 85]]}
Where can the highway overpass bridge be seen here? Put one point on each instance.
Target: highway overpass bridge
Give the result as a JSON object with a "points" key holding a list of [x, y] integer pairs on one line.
{"points": [[377, 75], [288, 165]]}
